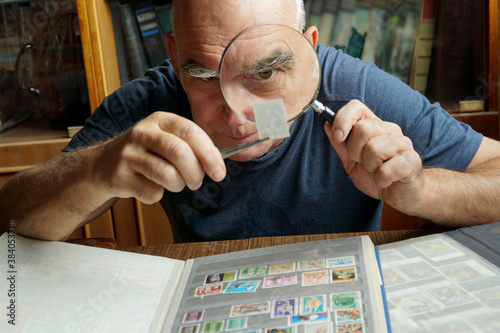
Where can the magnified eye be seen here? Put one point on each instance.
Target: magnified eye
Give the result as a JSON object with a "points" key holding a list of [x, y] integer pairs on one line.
{"points": [[267, 74], [209, 78]]}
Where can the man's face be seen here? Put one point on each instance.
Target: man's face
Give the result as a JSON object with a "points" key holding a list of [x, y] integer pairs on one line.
{"points": [[203, 30]]}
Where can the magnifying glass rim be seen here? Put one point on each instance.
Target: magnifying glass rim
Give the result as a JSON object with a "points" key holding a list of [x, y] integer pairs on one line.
{"points": [[231, 42]]}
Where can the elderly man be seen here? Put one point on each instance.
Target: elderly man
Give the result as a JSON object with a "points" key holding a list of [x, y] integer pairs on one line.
{"points": [[158, 138]]}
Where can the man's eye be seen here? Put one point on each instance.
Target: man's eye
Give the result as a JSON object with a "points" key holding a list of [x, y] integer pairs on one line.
{"points": [[266, 75], [209, 78]]}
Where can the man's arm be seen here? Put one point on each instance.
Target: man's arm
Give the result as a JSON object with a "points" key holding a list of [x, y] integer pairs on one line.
{"points": [[382, 163], [164, 151]]}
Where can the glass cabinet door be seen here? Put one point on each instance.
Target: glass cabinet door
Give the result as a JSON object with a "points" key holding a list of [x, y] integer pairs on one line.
{"points": [[42, 74]]}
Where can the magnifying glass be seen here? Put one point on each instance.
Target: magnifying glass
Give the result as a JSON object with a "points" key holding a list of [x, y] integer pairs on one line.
{"points": [[266, 63]]}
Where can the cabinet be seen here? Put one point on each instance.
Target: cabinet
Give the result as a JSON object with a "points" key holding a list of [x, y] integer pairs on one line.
{"points": [[133, 223]]}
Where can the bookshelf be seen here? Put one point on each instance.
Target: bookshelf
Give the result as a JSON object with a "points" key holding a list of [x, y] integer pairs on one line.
{"points": [[133, 223]]}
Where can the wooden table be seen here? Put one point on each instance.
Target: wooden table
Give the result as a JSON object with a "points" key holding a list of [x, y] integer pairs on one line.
{"points": [[186, 251]]}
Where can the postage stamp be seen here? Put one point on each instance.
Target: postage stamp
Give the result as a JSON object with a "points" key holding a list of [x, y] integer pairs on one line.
{"points": [[193, 316], [220, 277], [350, 328], [312, 304], [190, 329], [323, 327], [340, 262], [242, 287], [212, 289], [301, 319], [344, 274], [271, 119], [351, 316], [250, 309], [213, 326], [236, 324], [280, 281], [281, 268], [253, 272], [289, 329], [314, 278], [308, 265], [343, 301], [437, 250], [285, 308]]}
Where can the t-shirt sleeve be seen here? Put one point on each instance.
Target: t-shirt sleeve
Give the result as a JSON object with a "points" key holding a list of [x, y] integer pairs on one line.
{"points": [[441, 140], [157, 90]]}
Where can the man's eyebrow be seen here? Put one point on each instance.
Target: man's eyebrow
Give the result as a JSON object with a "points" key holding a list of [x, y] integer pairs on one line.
{"points": [[195, 69], [279, 59]]}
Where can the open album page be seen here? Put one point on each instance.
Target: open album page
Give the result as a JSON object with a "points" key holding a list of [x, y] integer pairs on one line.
{"points": [[323, 286]]}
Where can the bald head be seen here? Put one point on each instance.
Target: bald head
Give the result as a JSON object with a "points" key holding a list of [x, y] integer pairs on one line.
{"points": [[183, 10]]}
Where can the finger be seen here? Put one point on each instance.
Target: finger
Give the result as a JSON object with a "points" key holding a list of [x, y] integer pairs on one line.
{"points": [[177, 160], [366, 130], [347, 117], [401, 168], [208, 155], [382, 148], [159, 171], [143, 189]]}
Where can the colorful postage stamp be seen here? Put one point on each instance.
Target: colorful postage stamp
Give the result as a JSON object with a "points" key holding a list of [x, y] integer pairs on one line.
{"points": [[221, 277], [351, 316], [285, 308], [344, 274], [340, 262], [314, 278], [242, 287], [437, 250], [280, 281], [212, 289], [301, 319], [253, 272], [190, 329], [417, 269], [193, 316], [236, 324], [350, 328], [312, 304], [288, 329], [308, 265], [250, 309], [343, 301], [281, 268], [323, 327], [213, 326]]}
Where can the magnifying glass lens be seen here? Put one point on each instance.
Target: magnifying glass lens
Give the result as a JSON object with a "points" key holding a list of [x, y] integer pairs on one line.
{"points": [[269, 62]]}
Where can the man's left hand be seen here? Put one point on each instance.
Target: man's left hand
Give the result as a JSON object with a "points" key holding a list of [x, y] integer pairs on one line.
{"points": [[379, 159]]}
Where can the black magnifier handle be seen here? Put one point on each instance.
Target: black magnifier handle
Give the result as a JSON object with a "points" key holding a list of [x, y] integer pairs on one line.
{"points": [[323, 111]]}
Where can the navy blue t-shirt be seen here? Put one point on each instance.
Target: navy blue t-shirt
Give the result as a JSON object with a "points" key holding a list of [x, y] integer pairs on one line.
{"points": [[301, 186]]}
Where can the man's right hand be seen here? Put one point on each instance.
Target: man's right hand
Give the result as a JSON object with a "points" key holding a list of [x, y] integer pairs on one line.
{"points": [[163, 151]]}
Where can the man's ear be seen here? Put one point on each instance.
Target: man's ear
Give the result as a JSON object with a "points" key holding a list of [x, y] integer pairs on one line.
{"points": [[172, 52], [313, 35]]}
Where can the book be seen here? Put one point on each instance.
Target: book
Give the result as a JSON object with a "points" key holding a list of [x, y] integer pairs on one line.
{"points": [[151, 33], [423, 46], [403, 40], [290, 288], [342, 31], [444, 282], [329, 12], [360, 27], [133, 42], [121, 53], [313, 14], [376, 25], [451, 73]]}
